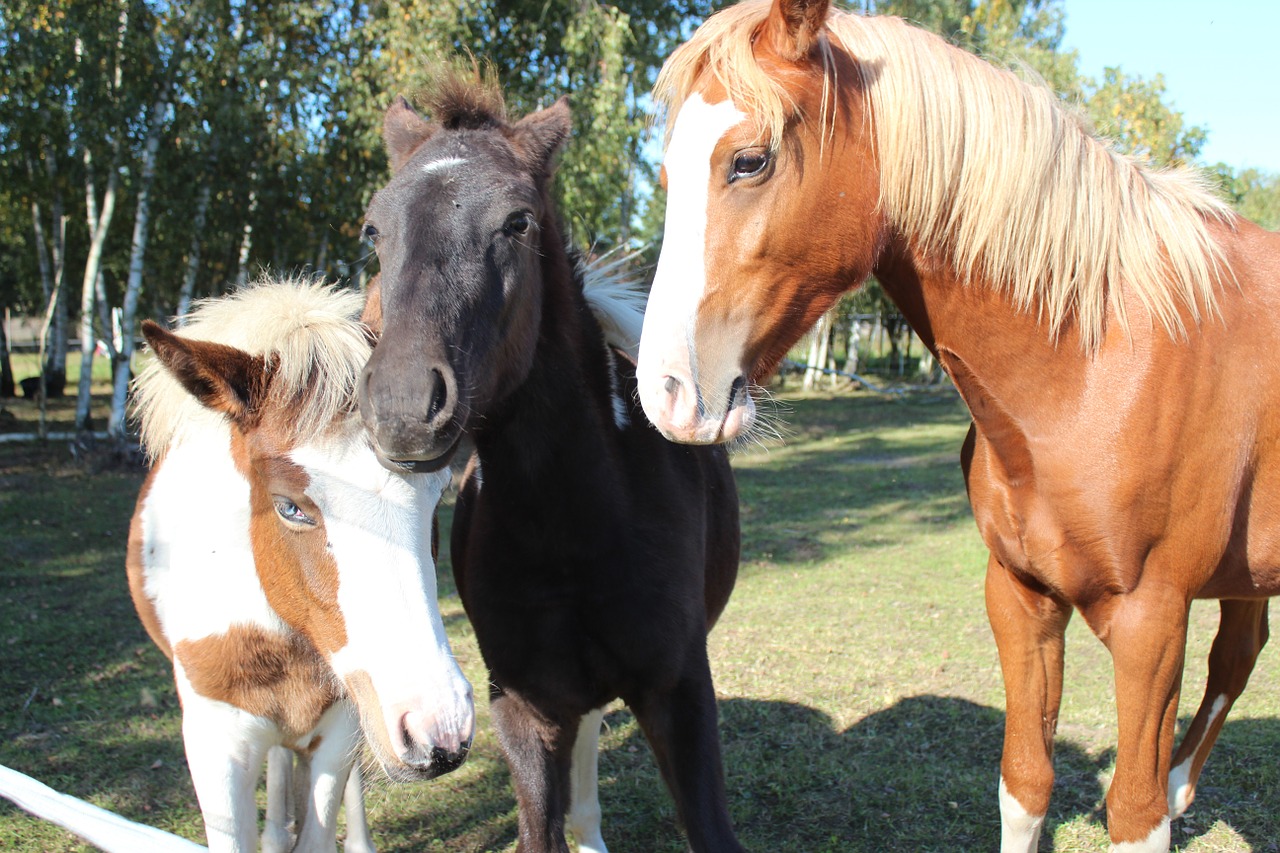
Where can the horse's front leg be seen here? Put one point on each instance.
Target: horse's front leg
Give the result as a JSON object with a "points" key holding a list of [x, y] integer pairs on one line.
{"points": [[1029, 626], [1242, 633], [336, 740], [681, 727], [225, 749], [538, 752], [584, 805], [280, 801], [1146, 632]]}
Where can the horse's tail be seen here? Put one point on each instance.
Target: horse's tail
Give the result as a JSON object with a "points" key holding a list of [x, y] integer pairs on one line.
{"points": [[98, 826], [611, 285]]}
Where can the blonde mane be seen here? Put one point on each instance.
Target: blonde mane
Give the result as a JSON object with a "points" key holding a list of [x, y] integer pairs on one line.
{"points": [[993, 174], [312, 330]]}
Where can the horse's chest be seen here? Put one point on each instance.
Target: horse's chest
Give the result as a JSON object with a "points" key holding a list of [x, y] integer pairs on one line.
{"points": [[558, 634]]}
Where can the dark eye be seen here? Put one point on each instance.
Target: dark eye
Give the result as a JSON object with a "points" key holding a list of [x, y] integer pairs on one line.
{"points": [[369, 234], [519, 223], [289, 511], [748, 163]]}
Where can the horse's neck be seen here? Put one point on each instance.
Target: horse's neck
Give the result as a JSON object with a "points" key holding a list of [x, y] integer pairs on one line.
{"points": [[562, 410], [1000, 358], [197, 561]]}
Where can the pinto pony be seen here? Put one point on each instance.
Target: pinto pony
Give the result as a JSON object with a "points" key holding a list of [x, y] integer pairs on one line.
{"points": [[1111, 327], [284, 570], [592, 555]]}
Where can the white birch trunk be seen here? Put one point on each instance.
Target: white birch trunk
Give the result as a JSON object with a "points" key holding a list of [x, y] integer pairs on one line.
{"points": [[187, 292], [141, 230], [99, 224], [246, 238], [817, 352]]}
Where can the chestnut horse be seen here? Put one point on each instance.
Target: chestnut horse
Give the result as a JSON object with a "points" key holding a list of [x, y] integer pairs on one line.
{"points": [[592, 555], [1111, 328], [284, 570]]}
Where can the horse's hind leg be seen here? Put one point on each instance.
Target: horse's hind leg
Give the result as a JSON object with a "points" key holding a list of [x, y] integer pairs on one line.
{"points": [[1029, 628], [681, 727], [1242, 633], [584, 798], [359, 839]]}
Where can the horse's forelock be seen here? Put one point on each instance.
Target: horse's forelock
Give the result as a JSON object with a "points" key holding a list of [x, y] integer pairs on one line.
{"points": [[467, 99]]}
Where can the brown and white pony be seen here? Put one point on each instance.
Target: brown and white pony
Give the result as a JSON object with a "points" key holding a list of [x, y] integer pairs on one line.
{"points": [[283, 569], [1111, 327], [592, 555]]}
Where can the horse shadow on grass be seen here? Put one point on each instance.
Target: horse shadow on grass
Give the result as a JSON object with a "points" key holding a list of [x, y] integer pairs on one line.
{"points": [[919, 776]]}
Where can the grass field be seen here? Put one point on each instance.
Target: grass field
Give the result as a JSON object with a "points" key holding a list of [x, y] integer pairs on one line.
{"points": [[21, 415], [860, 698]]}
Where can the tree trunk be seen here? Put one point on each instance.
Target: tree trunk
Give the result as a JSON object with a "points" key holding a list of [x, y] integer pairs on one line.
{"points": [[53, 368], [188, 289], [246, 239], [851, 357], [817, 352], [7, 386], [141, 230], [99, 224]]}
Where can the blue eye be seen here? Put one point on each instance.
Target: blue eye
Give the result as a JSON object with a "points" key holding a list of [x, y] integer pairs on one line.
{"points": [[289, 511]]}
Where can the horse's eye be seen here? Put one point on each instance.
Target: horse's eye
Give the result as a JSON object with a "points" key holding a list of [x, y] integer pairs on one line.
{"points": [[749, 163], [519, 223], [369, 234], [289, 511]]}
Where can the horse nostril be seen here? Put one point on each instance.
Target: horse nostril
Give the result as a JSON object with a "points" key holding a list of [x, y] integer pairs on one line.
{"points": [[737, 390], [671, 385], [439, 395], [444, 761]]}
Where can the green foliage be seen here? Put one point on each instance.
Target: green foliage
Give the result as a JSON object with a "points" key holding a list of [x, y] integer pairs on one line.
{"points": [[1255, 194], [1133, 111]]}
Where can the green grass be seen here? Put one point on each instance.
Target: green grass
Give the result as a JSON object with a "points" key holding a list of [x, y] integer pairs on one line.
{"points": [[860, 697]]}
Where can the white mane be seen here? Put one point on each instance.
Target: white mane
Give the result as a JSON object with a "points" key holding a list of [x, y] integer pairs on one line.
{"points": [[313, 331]]}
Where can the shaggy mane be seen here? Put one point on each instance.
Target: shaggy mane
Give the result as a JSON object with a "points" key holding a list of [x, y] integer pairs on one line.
{"points": [[465, 98], [993, 174], [617, 301], [311, 329]]}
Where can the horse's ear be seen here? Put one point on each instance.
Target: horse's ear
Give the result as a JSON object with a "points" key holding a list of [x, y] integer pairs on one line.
{"points": [[538, 136], [793, 27], [403, 131], [223, 378]]}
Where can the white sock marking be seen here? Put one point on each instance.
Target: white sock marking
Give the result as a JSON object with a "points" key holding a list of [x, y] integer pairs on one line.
{"points": [[1019, 829], [1156, 842], [1180, 791]]}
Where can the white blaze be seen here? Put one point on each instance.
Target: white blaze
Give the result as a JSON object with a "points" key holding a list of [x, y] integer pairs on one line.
{"points": [[681, 278], [379, 532]]}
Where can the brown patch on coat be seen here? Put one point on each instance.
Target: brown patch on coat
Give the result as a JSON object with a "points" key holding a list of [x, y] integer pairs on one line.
{"points": [[277, 676], [296, 569], [136, 571]]}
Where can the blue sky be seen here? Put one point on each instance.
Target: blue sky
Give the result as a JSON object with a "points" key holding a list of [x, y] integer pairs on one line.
{"points": [[1220, 61]]}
